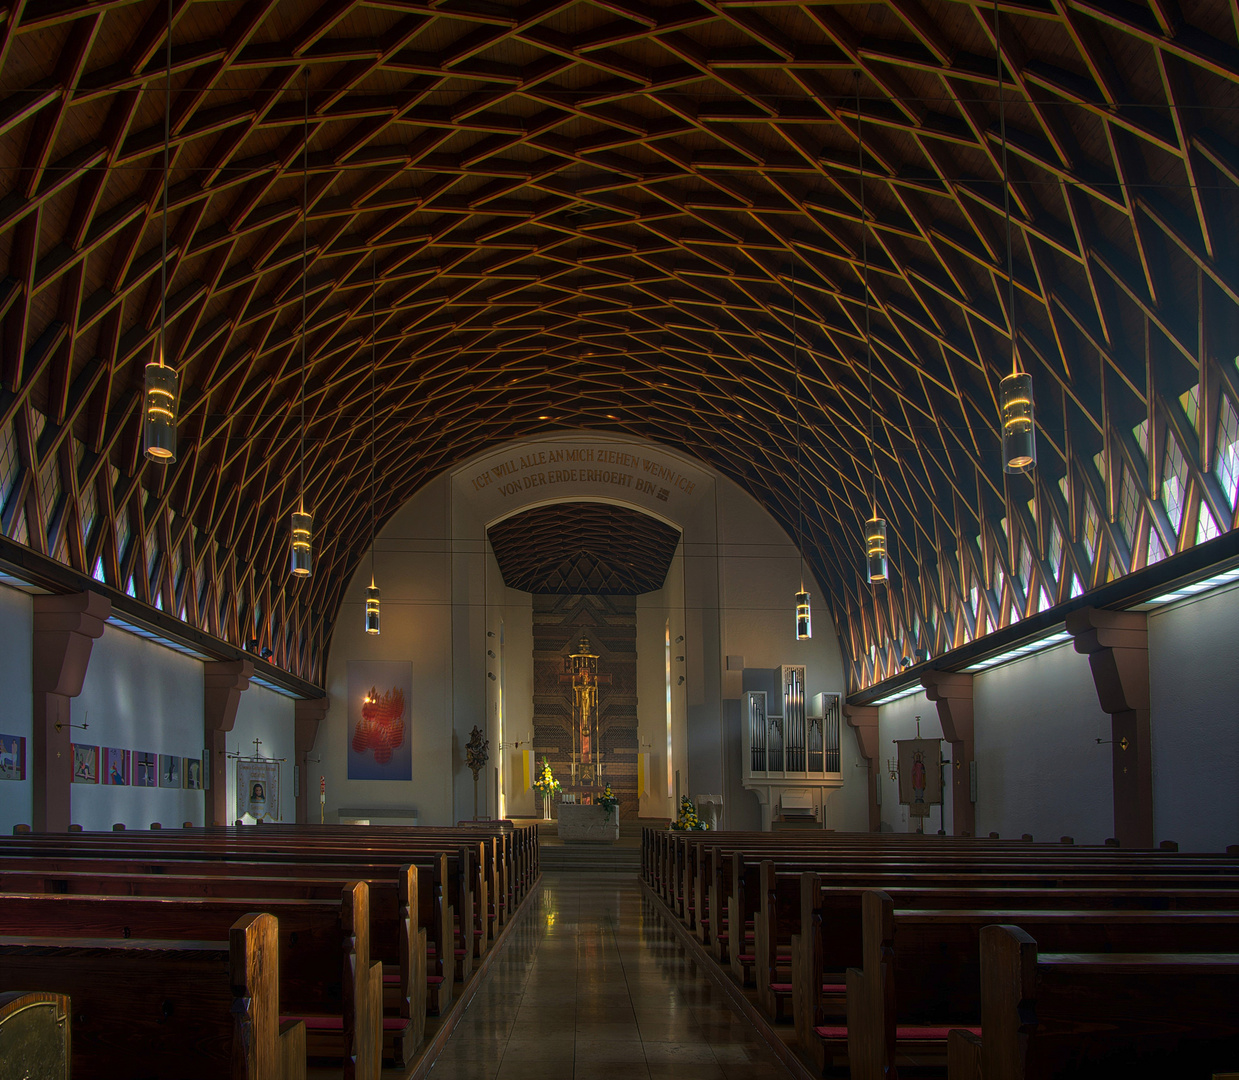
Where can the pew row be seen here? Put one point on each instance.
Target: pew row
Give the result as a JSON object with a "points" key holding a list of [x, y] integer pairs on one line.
{"points": [[1071, 1016], [192, 1009]]}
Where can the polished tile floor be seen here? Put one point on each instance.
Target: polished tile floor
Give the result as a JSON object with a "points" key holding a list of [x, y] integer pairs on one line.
{"points": [[592, 984]]}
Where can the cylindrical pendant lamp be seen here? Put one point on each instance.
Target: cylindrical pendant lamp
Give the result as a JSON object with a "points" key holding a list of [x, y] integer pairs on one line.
{"points": [[1019, 435], [159, 412], [804, 618], [303, 543], [372, 609], [875, 548]]}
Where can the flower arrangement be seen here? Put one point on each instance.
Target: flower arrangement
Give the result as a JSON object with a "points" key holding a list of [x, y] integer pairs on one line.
{"points": [[546, 784], [608, 800], [688, 821]]}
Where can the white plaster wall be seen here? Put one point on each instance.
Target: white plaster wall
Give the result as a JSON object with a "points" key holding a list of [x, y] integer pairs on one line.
{"points": [[732, 594], [413, 568], [760, 571], [17, 701], [138, 695], [1039, 768], [1194, 685], [510, 619], [269, 716], [656, 613]]}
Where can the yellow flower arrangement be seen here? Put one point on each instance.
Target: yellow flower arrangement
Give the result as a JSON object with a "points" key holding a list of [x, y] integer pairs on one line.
{"points": [[688, 821], [546, 784]]}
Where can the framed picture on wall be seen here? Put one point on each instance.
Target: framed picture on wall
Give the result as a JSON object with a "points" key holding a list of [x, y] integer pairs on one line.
{"points": [[169, 770], [145, 769], [380, 737], [191, 773], [116, 766], [12, 757], [85, 764]]}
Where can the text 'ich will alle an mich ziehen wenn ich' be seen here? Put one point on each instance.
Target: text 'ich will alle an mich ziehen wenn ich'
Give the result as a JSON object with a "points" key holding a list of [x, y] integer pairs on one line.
{"points": [[584, 465]]}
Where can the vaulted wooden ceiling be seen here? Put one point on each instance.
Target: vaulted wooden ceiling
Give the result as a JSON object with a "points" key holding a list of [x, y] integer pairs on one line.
{"points": [[628, 216], [579, 547]]}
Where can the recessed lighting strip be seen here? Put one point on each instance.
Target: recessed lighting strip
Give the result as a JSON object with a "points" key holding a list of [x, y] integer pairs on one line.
{"points": [[1194, 589], [1027, 649]]}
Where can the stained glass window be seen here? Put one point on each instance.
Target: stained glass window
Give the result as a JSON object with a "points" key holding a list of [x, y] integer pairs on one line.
{"points": [[1174, 482], [1226, 456]]}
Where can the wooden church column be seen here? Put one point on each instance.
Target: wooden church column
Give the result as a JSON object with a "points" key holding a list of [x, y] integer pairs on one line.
{"points": [[223, 683], [951, 691], [65, 629], [863, 719], [1117, 646], [309, 715]]}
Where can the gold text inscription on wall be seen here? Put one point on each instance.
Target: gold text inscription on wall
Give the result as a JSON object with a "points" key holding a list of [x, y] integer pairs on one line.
{"points": [[583, 465]]}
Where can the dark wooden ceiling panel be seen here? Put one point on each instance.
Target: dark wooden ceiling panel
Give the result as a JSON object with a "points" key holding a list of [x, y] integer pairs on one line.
{"points": [[575, 547]]}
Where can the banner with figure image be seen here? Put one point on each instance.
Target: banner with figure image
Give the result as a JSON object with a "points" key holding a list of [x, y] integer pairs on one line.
{"points": [[920, 774], [258, 789], [380, 744]]}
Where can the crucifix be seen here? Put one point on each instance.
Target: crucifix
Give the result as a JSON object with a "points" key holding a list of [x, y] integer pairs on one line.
{"points": [[257, 744], [581, 671]]}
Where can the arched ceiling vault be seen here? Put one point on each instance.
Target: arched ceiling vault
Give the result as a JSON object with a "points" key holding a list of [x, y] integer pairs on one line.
{"points": [[629, 216]]}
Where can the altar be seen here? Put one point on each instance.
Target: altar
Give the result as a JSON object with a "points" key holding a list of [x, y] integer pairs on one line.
{"points": [[588, 824]]}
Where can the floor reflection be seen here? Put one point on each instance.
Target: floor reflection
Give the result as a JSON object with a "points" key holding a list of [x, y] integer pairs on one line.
{"points": [[594, 985]]}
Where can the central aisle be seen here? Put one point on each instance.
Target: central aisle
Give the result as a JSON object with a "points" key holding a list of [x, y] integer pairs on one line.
{"points": [[591, 985]]}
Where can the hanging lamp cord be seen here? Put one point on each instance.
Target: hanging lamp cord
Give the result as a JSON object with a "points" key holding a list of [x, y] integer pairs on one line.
{"points": [[374, 363], [864, 259], [305, 213], [167, 138], [799, 468], [1006, 190]]}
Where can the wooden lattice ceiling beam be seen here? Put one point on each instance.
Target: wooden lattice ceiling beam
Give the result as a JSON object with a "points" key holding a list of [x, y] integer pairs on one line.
{"points": [[596, 212]]}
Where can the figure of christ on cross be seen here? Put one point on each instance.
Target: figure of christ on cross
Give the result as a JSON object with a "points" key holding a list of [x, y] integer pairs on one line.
{"points": [[581, 671]]}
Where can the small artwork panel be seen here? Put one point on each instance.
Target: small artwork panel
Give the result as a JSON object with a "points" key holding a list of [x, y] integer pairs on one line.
{"points": [[191, 773], [169, 770], [145, 769], [380, 697], [12, 757], [85, 764], [116, 766], [258, 789]]}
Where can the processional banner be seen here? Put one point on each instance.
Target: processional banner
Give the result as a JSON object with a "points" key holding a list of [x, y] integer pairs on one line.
{"points": [[258, 789], [920, 774]]}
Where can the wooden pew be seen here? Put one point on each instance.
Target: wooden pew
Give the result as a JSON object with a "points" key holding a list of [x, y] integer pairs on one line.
{"points": [[315, 945], [449, 873], [405, 915], [1076, 1015], [777, 918], [832, 940], [921, 972], [466, 885], [154, 1009]]}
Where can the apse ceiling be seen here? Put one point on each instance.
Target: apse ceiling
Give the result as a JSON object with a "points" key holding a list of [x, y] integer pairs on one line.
{"points": [[575, 547], [623, 216]]}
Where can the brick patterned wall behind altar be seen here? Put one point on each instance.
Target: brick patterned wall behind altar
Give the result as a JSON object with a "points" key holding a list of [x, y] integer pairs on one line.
{"points": [[610, 623]]}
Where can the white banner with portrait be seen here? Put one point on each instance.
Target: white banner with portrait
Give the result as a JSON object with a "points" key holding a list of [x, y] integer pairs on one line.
{"points": [[258, 789]]}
